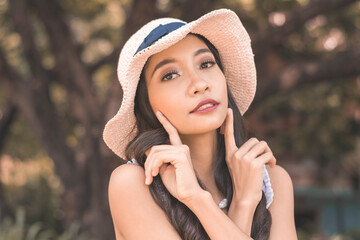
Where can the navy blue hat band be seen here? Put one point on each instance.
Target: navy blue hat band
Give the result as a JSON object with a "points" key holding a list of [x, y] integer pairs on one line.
{"points": [[157, 33]]}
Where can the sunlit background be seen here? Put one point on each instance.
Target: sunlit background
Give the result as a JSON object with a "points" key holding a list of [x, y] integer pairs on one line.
{"points": [[58, 88]]}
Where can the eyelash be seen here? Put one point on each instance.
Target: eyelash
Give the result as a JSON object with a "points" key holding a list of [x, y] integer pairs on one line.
{"points": [[167, 74], [174, 72], [209, 61]]}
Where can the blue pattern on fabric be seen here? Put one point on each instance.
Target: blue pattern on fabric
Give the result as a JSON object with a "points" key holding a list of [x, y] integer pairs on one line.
{"points": [[157, 33]]}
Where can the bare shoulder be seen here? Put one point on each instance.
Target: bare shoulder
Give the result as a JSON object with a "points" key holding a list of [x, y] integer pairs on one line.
{"points": [[132, 205], [127, 173], [280, 178], [282, 186], [282, 207]]}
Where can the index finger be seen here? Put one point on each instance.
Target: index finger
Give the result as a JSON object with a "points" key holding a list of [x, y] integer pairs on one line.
{"points": [[230, 144], [170, 129]]}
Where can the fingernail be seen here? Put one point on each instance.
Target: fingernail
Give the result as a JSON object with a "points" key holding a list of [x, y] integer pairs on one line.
{"points": [[146, 181]]}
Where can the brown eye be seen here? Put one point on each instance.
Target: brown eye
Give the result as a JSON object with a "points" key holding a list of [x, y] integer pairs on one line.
{"points": [[169, 76], [207, 64]]}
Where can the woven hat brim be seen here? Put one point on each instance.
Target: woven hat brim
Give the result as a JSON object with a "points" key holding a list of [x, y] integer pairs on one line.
{"points": [[234, 46]]}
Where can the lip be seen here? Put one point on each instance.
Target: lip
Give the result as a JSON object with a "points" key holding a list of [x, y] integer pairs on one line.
{"points": [[206, 101]]}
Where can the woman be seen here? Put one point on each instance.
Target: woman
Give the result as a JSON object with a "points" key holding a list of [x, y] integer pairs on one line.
{"points": [[194, 174]]}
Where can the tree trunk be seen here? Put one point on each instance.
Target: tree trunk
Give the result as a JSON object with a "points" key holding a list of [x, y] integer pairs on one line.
{"points": [[84, 169]]}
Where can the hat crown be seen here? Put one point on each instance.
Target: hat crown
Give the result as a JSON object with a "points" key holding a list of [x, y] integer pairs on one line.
{"points": [[128, 60], [157, 33], [133, 43], [221, 27]]}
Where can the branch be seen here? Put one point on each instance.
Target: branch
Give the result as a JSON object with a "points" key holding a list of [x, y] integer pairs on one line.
{"points": [[69, 66], [134, 22], [111, 58], [37, 107], [23, 27], [4, 206], [238, 8], [343, 65], [141, 12], [135, 19], [191, 11], [33, 96], [7, 116], [294, 21]]}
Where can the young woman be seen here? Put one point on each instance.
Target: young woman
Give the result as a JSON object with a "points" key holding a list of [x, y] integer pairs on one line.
{"points": [[193, 172]]}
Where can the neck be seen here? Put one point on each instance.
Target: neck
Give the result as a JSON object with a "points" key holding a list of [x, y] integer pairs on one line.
{"points": [[203, 151]]}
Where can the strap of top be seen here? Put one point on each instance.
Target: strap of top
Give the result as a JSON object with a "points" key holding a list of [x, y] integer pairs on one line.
{"points": [[267, 189]]}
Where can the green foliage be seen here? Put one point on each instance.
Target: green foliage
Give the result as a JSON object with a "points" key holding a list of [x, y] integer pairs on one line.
{"points": [[36, 197], [22, 143], [32, 184], [315, 123], [352, 234], [18, 230], [303, 235], [85, 8]]}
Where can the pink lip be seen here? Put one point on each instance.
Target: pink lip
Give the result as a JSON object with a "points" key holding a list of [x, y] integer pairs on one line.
{"points": [[208, 109], [206, 101]]}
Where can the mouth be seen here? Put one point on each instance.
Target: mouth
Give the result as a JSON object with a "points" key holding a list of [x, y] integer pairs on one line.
{"points": [[205, 104], [205, 108]]}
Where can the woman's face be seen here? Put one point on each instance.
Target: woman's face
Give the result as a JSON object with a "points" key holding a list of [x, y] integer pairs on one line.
{"points": [[181, 76]]}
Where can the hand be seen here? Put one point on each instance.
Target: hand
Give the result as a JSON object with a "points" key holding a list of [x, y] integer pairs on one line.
{"points": [[174, 164], [246, 164]]}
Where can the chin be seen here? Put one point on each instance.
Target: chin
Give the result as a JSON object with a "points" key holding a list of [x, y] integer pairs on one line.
{"points": [[201, 129]]}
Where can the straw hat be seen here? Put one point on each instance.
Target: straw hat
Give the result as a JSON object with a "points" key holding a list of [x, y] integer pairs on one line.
{"points": [[222, 28]]}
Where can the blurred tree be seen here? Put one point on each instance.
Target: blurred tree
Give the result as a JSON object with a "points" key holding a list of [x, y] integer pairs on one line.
{"points": [[58, 61], [6, 118]]}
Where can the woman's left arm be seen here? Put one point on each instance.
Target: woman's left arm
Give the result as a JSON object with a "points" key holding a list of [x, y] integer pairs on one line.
{"points": [[282, 207]]}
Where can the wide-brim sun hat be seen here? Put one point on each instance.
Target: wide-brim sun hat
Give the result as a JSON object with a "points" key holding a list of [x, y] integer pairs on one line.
{"points": [[221, 27]]}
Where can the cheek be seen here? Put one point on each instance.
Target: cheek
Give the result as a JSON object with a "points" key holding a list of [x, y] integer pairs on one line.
{"points": [[221, 85], [225, 90], [171, 106], [165, 101]]}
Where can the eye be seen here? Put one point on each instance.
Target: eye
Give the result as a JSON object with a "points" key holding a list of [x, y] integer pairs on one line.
{"points": [[169, 76], [207, 64]]}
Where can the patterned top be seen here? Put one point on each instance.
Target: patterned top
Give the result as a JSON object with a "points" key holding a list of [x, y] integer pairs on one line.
{"points": [[267, 189]]}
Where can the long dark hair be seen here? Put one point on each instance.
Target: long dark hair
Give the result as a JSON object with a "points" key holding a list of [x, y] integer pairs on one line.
{"points": [[151, 132]]}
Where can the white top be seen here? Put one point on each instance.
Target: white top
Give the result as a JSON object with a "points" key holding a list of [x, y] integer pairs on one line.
{"points": [[267, 189]]}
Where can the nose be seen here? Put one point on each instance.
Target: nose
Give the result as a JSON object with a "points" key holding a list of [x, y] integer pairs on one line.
{"points": [[198, 84]]}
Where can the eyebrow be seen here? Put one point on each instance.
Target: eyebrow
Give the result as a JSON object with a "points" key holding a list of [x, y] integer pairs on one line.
{"points": [[166, 61]]}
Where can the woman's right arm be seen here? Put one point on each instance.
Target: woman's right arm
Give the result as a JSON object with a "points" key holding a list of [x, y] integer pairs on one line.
{"points": [[137, 216], [134, 213]]}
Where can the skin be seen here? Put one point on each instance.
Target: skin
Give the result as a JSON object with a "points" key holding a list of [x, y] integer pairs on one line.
{"points": [[194, 78], [174, 90]]}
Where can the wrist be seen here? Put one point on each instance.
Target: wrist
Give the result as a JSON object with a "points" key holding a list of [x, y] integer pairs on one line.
{"points": [[241, 203], [198, 198], [242, 213]]}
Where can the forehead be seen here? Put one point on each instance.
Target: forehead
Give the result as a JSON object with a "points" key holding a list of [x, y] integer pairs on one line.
{"points": [[186, 46]]}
